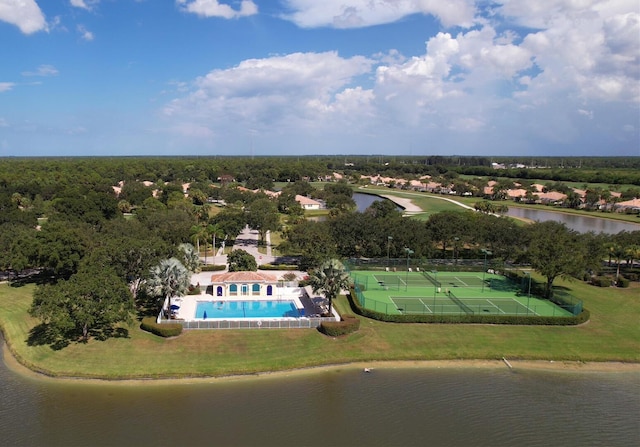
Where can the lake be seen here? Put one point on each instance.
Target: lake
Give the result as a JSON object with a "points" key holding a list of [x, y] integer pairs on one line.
{"points": [[364, 201], [580, 223], [340, 407]]}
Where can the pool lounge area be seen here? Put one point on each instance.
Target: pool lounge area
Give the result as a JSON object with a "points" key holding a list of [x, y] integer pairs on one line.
{"points": [[284, 307]]}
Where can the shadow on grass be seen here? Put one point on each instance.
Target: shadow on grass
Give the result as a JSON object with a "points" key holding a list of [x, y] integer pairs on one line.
{"points": [[45, 334], [110, 332]]}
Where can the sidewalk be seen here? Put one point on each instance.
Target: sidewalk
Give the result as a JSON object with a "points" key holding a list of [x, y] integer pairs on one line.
{"points": [[247, 240]]}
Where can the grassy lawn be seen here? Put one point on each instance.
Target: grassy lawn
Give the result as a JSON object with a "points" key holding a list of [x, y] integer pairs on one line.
{"points": [[430, 204], [613, 334]]}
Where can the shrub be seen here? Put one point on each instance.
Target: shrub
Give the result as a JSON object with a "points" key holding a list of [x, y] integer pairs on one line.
{"points": [[622, 282], [194, 290], [163, 330], [601, 281], [347, 325]]}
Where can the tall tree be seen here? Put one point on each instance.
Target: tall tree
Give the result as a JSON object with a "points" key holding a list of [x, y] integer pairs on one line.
{"points": [[61, 245], [95, 298], [329, 279], [262, 215], [312, 241], [555, 250]]}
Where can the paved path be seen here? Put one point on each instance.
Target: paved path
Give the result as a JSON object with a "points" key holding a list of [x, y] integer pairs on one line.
{"points": [[247, 240]]}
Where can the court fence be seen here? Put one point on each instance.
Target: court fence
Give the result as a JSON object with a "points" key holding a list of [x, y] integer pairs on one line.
{"points": [[515, 273], [518, 274]]}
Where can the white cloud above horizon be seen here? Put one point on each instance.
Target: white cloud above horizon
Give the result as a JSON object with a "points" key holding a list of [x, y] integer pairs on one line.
{"points": [[470, 83], [214, 8], [363, 13], [25, 14], [472, 77]]}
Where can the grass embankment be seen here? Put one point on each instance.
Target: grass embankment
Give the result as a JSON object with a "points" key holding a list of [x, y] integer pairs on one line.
{"points": [[613, 334]]}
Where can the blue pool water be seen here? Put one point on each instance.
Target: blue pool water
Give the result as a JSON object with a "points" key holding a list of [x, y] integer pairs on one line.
{"points": [[246, 309]]}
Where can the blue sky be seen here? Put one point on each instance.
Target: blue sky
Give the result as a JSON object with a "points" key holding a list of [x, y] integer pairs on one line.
{"points": [[272, 77]]}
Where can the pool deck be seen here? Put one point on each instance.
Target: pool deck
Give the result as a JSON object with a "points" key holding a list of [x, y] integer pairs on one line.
{"points": [[302, 297]]}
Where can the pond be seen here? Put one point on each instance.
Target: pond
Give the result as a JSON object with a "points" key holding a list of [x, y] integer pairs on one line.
{"points": [[580, 223], [343, 406]]}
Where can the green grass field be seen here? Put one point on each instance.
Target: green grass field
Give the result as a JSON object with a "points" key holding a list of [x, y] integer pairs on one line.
{"points": [[396, 293], [612, 334]]}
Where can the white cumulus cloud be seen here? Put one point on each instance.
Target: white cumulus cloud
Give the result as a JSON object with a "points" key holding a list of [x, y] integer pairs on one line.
{"points": [[361, 13], [25, 14], [214, 8], [571, 79], [280, 91]]}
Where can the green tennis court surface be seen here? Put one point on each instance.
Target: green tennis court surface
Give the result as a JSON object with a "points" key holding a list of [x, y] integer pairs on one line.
{"points": [[448, 293]]}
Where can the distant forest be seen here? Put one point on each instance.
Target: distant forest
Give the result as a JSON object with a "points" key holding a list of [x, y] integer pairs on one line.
{"points": [[26, 171]]}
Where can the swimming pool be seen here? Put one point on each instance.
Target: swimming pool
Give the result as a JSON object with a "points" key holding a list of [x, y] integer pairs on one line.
{"points": [[247, 309]]}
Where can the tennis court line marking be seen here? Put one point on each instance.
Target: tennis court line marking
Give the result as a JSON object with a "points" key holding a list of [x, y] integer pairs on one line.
{"points": [[526, 307], [425, 305], [489, 301]]}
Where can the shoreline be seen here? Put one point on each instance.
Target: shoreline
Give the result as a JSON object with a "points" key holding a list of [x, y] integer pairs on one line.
{"points": [[12, 363]]}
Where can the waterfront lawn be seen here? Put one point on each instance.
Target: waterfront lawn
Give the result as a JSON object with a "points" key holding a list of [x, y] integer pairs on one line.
{"points": [[612, 334]]}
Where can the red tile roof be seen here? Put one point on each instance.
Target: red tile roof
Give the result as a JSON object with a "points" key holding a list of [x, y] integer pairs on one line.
{"points": [[237, 277]]}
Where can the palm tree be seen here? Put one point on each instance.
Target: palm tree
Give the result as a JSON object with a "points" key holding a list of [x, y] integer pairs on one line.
{"points": [[191, 258], [199, 232], [330, 279], [616, 251], [213, 231], [168, 279]]}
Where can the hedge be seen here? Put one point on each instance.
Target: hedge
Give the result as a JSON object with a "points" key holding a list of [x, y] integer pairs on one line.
{"points": [[476, 319], [213, 267], [347, 325], [277, 267], [163, 330]]}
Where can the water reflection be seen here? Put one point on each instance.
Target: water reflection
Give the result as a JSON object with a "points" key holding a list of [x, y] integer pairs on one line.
{"points": [[582, 224]]}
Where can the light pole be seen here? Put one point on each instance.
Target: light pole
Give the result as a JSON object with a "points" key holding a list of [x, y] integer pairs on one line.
{"points": [[529, 291], [406, 282], [484, 271], [455, 250], [389, 239], [435, 287]]}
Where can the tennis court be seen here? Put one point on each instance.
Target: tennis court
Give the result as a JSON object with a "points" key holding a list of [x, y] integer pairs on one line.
{"points": [[448, 293]]}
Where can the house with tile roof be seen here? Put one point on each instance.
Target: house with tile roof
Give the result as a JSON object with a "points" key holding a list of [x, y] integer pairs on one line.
{"points": [[238, 284], [308, 204]]}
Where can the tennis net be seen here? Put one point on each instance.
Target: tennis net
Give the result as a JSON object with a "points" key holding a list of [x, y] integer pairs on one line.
{"points": [[431, 278], [462, 306]]}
